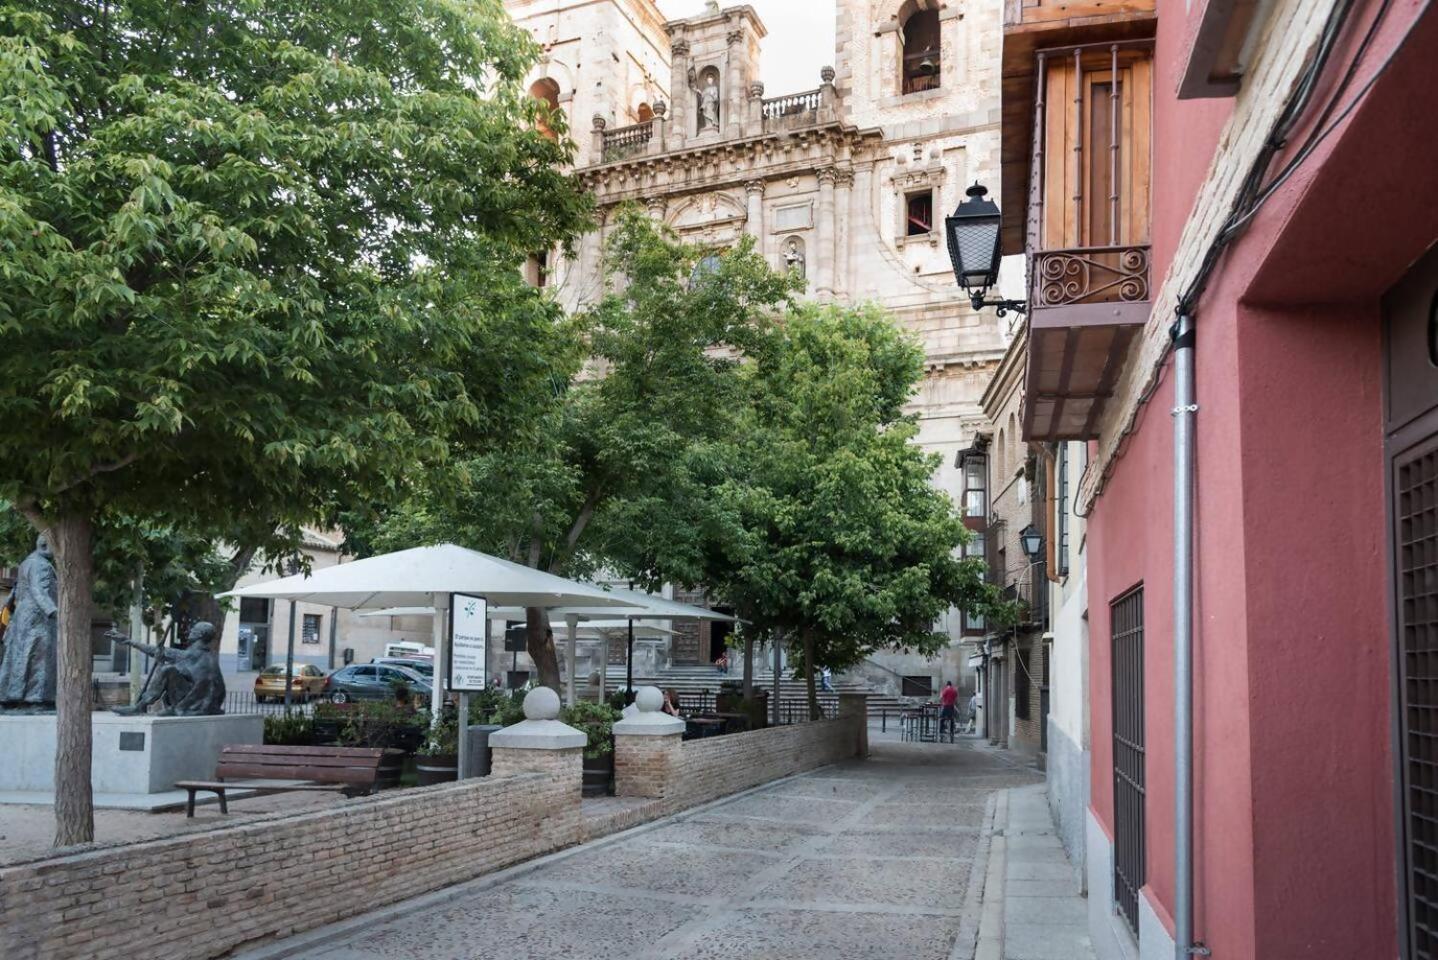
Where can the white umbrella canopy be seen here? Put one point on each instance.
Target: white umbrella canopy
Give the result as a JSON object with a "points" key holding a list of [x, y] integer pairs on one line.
{"points": [[587, 630], [413, 578]]}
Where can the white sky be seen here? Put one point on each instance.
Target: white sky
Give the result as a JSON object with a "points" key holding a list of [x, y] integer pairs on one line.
{"points": [[800, 40]]}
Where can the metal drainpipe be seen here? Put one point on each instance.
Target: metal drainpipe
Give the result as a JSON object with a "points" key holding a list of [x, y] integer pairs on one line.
{"points": [[1185, 411]]}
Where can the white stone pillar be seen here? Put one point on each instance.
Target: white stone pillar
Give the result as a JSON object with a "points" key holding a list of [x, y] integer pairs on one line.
{"points": [[540, 743], [571, 624], [596, 146], [843, 243], [733, 120], [656, 206], [755, 122], [823, 256], [862, 235], [754, 222]]}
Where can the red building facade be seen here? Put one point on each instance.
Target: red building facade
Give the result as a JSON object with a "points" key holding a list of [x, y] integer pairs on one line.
{"points": [[1271, 170]]}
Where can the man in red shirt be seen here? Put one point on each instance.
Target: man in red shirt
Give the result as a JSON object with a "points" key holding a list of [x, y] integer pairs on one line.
{"points": [[948, 712]]}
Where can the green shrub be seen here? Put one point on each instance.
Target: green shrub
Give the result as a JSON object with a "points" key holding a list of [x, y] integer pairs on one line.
{"points": [[597, 721], [289, 729]]}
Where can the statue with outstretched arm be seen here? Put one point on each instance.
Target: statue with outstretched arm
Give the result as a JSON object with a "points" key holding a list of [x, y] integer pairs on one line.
{"points": [[188, 682]]}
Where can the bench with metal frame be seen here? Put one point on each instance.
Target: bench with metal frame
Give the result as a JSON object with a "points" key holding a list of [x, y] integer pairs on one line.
{"points": [[265, 769]]}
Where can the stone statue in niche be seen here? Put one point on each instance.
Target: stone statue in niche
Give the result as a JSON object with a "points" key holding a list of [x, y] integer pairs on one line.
{"points": [[188, 682], [794, 257], [27, 670], [708, 97]]}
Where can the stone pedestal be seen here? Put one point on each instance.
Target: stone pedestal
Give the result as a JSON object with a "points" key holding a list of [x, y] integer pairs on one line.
{"points": [[131, 755], [647, 745], [539, 743]]}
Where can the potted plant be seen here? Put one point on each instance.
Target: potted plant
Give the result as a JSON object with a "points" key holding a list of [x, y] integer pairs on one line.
{"points": [[597, 721], [437, 760]]}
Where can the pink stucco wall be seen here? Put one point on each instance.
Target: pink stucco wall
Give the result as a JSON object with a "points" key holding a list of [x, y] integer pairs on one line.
{"points": [[1294, 793]]}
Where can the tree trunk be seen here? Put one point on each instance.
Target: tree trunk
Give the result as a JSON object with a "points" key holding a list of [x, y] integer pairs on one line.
{"points": [[71, 538], [808, 635], [748, 665], [541, 648]]}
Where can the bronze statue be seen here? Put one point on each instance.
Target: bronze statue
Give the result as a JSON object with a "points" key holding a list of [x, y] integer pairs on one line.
{"points": [[27, 669], [188, 681]]}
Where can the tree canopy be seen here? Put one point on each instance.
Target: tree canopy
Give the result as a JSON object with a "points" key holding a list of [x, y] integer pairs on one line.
{"points": [[259, 258], [836, 536], [619, 471]]}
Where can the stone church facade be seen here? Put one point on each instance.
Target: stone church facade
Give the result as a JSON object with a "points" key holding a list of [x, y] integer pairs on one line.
{"points": [[848, 182]]}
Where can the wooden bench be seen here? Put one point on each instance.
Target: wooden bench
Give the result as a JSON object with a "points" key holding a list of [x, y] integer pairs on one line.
{"points": [[279, 769]]}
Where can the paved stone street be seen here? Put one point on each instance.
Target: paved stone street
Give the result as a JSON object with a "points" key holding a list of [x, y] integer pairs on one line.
{"points": [[887, 858]]}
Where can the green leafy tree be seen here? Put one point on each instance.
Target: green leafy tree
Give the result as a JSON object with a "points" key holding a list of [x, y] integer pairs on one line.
{"points": [[259, 258], [631, 446], [835, 536]]}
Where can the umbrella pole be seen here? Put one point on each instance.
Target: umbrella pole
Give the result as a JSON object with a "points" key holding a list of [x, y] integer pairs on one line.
{"points": [[436, 693], [571, 656], [604, 666]]}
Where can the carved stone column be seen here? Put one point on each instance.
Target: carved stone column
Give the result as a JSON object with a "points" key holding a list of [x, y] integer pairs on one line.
{"points": [[823, 257], [754, 223], [656, 207], [732, 121], [755, 122], [680, 93], [843, 242], [860, 226], [597, 146]]}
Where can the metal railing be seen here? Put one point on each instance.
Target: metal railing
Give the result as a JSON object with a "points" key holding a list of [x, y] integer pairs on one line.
{"points": [[1090, 275], [1031, 592], [793, 105], [1099, 229], [623, 142]]}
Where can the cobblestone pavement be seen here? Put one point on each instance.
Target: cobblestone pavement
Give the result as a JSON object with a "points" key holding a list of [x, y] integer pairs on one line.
{"points": [[877, 859]]}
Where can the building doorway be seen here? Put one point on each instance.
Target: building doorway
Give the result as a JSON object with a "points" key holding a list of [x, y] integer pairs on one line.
{"points": [[1410, 335]]}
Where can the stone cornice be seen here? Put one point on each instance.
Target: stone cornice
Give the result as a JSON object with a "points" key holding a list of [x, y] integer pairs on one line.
{"points": [[731, 162]]}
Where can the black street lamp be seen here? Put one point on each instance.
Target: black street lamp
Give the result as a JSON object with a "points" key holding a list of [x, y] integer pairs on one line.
{"points": [[973, 233], [1032, 543]]}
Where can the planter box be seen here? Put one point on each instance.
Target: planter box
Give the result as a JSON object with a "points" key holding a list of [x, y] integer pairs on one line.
{"points": [[436, 769]]}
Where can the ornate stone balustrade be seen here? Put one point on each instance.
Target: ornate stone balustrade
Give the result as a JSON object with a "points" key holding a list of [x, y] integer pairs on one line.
{"points": [[792, 105], [624, 142]]}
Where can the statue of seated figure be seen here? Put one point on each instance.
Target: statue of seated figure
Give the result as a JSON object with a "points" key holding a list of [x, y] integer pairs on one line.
{"points": [[187, 682]]}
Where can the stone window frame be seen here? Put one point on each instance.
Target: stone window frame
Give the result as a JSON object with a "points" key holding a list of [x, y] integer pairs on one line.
{"points": [[905, 182], [889, 50]]}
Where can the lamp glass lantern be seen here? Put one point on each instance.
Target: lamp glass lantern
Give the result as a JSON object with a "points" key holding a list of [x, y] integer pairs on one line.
{"points": [[973, 235], [1032, 542]]}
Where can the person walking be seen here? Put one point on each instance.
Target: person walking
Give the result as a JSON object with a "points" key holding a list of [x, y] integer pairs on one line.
{"points": [[948, 709], [826, 680]]}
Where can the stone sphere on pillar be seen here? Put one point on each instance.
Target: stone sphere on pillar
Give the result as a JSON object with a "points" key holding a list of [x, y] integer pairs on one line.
{"points": [[541, 703], [649, 700], [827, 74]]}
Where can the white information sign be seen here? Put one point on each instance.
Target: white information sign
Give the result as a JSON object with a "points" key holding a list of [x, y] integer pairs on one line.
{"points": [[468, 637]]}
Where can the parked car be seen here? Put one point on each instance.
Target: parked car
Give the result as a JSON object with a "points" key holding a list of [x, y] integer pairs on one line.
{"points": [[425, 668], [306, 682], [373, 681]]}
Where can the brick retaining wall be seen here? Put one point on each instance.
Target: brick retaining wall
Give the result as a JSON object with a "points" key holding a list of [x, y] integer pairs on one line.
{"points": [[199, 895], [684, 773], [718, 766]]}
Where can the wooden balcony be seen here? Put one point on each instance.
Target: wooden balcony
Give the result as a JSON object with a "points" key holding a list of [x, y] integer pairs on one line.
{"points": [[1030, 28], [1086, 305]]}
